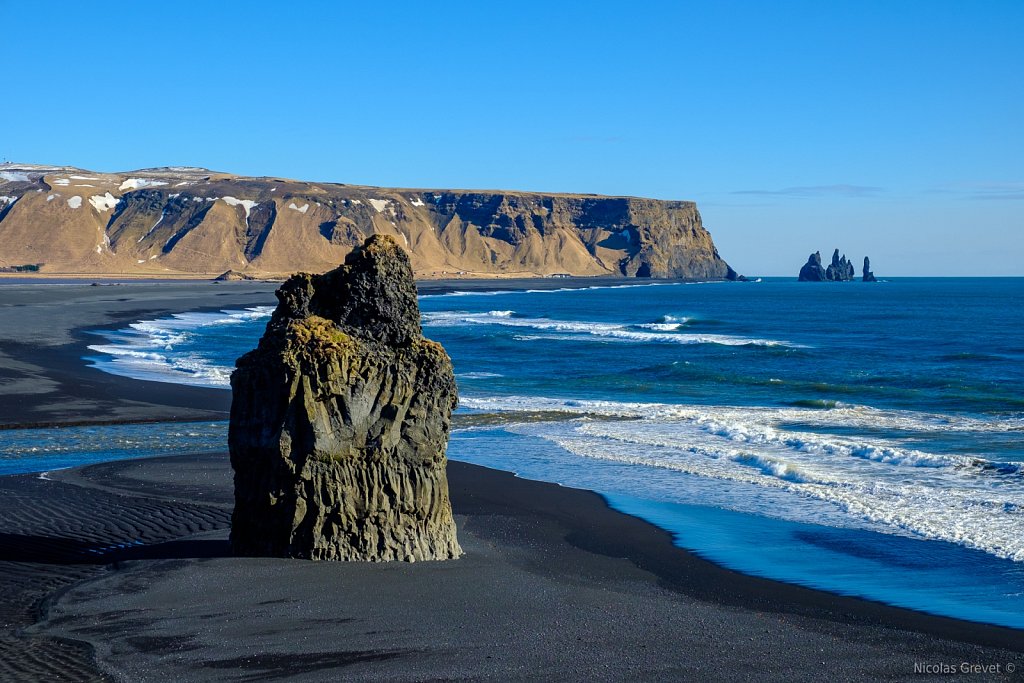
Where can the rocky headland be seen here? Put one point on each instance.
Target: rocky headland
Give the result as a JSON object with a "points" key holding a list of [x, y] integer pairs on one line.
{"points": [[195, 222], [340, 421]]}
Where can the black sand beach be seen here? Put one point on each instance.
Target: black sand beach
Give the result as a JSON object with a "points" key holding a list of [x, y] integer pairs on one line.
{"points": [[121, 570], [44, 334]]}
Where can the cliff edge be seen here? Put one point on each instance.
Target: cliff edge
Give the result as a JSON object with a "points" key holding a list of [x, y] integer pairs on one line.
{"points": [[195, 222]]}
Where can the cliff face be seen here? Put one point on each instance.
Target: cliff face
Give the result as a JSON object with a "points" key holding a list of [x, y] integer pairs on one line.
{"points": [[340, 420], [193, 221]]}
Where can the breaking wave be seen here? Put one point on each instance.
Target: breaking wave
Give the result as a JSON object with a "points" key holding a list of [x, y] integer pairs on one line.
{"points": [[160, 350], [663, 332], [496, 292], [968, 500]]}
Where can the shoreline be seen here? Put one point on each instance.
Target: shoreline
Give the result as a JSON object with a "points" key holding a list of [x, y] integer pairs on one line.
{"points": [[46, 332], [41, 352], [587, 524], [543, 561]]}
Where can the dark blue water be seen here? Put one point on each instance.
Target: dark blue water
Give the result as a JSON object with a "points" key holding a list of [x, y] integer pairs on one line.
{"points": [[865, 439], [936, 345]]}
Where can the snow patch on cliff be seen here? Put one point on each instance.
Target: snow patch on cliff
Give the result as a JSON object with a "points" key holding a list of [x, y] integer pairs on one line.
{"points": [[139, 183], [246, 204], [103, 202]]}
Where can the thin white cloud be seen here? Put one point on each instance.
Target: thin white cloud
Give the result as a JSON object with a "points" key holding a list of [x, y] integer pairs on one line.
{"points": [[984, 191]]}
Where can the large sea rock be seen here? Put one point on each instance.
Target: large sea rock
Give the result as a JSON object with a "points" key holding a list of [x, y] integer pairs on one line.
{"points": [[340, 420], [812, 270], [840, 270]]}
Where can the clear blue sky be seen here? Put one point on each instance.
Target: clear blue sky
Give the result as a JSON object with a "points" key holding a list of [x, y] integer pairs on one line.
{"points": [[890, 128]]}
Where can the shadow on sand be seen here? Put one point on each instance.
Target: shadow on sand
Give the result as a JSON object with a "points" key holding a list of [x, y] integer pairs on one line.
{"points": [[57, 550]]}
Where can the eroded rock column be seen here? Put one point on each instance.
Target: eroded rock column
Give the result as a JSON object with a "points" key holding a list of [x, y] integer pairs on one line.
{"points": [[340, 421]]}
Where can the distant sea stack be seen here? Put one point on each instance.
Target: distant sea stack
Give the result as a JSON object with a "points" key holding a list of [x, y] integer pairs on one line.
{"points": [[840, 270], [172, 221], [812, 270], [340, 420], [868, 275]]}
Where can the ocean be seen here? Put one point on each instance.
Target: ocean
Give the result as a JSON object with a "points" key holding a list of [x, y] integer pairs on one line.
{"points": [[864, 439]]}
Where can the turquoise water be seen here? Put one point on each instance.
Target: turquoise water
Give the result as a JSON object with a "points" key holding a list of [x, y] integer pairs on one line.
{"points": [[864, 439], [54, 448]]}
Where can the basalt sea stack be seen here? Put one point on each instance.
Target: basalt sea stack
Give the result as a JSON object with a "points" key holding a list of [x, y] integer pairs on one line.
{"points": [[868, 275], [840, 270], [340, 419], [812, 271]]}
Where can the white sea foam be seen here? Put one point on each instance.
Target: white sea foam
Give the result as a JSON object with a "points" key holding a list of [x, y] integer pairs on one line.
{"points": [[846, 415], [961, 499], [668, 323], [498, 292], [614, 331], [151, 350]]}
